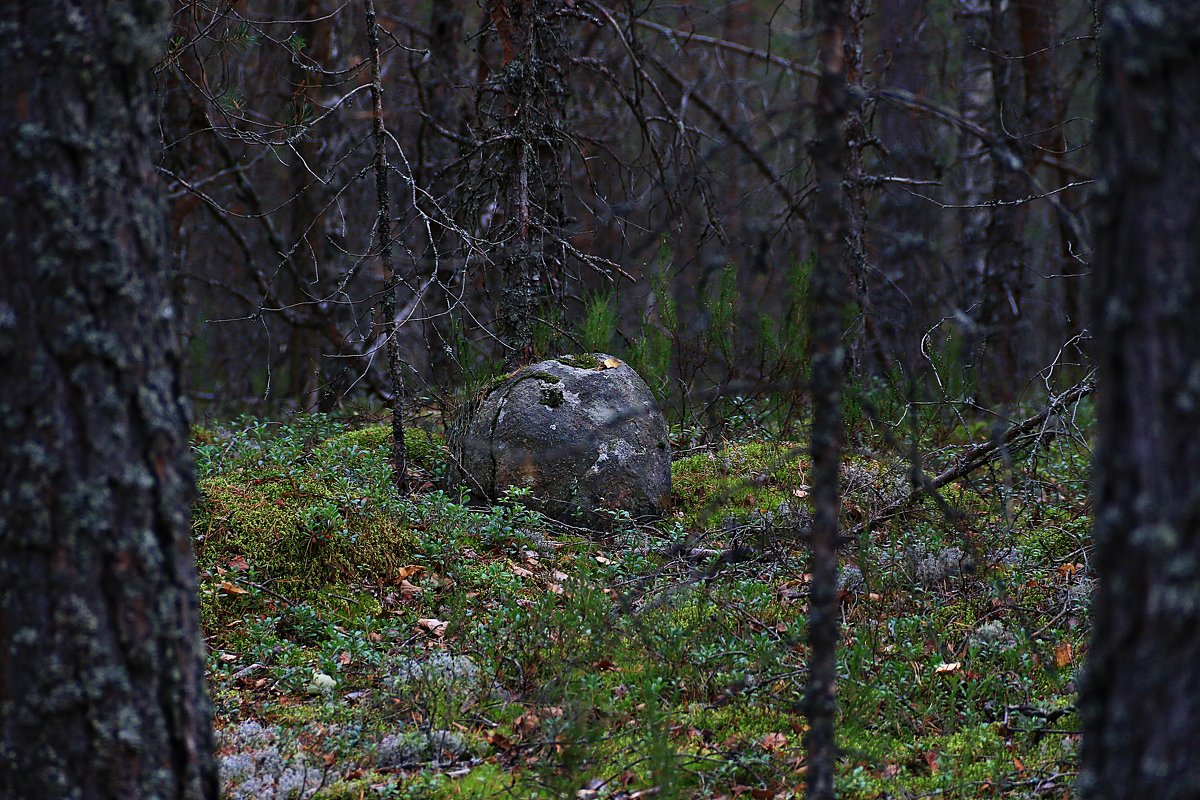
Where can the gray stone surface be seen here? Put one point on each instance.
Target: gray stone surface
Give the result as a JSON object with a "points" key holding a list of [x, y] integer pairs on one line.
{"points": [[582, 433]]}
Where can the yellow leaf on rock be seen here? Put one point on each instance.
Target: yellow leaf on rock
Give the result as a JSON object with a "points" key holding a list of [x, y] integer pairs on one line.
{"points": [[611, 363]]}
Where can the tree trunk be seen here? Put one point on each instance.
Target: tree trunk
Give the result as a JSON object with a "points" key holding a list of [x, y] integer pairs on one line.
{"points": [[1140, 699], [530, 173], [975, 103], [828, 295], [901, 302], [387, 304], [101, 667]]}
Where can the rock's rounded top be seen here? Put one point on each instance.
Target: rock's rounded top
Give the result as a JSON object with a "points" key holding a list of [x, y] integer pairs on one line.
{"points": [[582, 433]]}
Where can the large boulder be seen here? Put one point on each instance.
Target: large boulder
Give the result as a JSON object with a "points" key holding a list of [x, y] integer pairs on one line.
{"points": [[582, 433]]}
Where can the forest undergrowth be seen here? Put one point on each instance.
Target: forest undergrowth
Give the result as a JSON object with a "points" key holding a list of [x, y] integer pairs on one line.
{"points": [[367, 645]]}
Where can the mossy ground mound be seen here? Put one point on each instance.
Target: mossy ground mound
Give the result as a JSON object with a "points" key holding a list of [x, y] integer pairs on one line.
{"points": [[317, 514]]}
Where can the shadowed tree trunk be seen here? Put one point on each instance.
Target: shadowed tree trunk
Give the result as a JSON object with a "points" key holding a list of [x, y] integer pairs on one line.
{"points": [[529, 167], [101, 670], [1140, 700], [900, 286], [828, 296], [975, 103]]}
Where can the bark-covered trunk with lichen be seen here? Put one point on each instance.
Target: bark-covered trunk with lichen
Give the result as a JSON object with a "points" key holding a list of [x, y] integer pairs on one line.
{"points": [[1140, 700], [101, 670], [527, 165]]}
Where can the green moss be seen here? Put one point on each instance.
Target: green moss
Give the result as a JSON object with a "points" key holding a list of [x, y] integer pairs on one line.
{"points": [[580, 361], [744, 723], [296, 529], [425, 449], [736, 482]]}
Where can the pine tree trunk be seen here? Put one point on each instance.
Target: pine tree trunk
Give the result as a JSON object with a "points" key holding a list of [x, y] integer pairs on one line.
{"points": [[1141, 698], [101, 670], [828, 296]]}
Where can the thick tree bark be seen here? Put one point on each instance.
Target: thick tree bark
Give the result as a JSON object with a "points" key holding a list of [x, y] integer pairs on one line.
{"points": [[101, 670], [530, 172], [828, 295], [1141, 699]]}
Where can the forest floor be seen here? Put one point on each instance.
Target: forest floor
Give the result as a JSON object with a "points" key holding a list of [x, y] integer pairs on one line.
{"points": [[368, 645]]}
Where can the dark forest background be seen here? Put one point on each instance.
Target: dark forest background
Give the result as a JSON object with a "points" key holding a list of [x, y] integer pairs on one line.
{"points": [[632, 177]]}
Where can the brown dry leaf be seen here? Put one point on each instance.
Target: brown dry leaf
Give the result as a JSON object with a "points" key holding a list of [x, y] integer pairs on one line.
{"points": [[408, 591], [772, 742], [520, 572], [435, 626], [890, 771], [344, 659], [603, 560], [1063, 655], [947, 666], [497, 740], [611, 363], [408, 571], [555, 588], [526, 722], [231, 588], [561, 577], [238, 563]]}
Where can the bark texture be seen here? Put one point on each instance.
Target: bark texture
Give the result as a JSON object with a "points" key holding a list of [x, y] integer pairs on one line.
{"points": [[1141, 697], [528, 167], [828, 294], [101, 670]]}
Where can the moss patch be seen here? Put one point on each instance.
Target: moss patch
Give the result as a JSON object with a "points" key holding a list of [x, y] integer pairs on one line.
{"points": [[426, 450], [736, 482], [580, 361]]}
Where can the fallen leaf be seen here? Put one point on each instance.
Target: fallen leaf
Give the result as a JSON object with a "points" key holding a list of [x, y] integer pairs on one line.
{"points": [[408, 591], [561, 577], [435, 626], [520, 572], [947, 666], [408, 571], [231, 588], [611, 363], [772, 742], [603, 560], [238, 563], [1063, 655], [344, 659]]}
